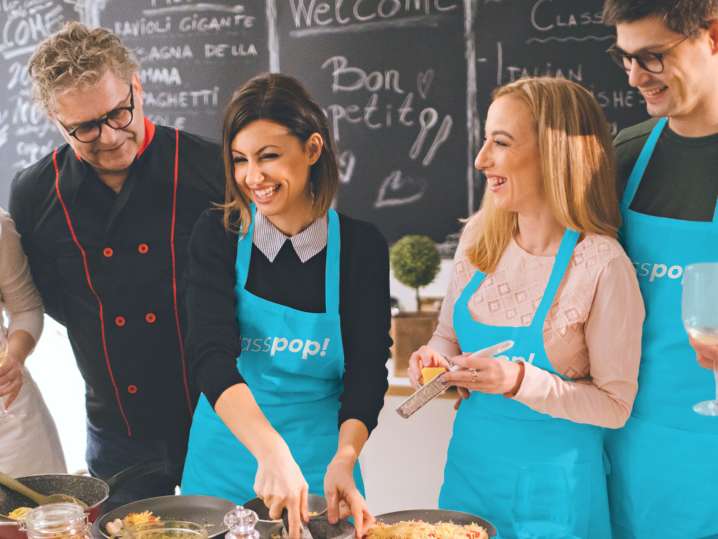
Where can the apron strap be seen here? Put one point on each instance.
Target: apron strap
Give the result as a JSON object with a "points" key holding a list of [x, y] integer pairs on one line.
{"points": [[634, 180], [563, 258], [244, 251], [472, 286], [332, 265]]}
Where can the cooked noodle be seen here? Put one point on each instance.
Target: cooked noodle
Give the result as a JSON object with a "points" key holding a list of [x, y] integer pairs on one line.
{"points": [[19, 513], [418, 529]]}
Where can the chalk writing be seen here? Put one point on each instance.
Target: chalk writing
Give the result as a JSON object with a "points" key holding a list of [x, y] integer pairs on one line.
{"points": [[546, 19], [187, 49], [313, 13], [398, 190], [25, 24]]}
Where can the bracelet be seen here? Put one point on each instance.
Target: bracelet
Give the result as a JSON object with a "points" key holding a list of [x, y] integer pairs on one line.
{"points": [[519, 380]]}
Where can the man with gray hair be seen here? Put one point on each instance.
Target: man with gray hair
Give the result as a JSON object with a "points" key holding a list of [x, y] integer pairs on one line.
{"points": [[105, 220], [664, 463]]}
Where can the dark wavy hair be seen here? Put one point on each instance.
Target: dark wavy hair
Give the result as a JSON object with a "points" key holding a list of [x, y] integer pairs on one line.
{"points": [[685, 17], [281, 99]]}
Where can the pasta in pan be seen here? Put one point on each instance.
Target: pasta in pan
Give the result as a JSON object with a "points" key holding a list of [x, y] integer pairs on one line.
{"points": [[115, 527], [417, 529]]}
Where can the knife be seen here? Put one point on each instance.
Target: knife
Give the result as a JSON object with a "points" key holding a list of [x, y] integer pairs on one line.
{"points": [[436, 387]]}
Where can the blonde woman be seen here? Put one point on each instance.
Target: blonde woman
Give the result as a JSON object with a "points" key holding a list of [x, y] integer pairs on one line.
{"points": [[539, 265], [28, 436]]}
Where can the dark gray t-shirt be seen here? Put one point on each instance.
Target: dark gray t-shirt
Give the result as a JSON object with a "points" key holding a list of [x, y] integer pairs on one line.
{"points": [[681, 180]]}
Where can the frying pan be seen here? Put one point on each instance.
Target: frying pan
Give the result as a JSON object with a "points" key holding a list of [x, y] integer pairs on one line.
{"points": [[319, 526], [91, 490], [206, 510], [344, 530], [433, 516]]}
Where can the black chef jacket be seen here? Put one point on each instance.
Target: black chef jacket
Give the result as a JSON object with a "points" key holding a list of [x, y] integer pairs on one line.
{"points": [[111, 268]]}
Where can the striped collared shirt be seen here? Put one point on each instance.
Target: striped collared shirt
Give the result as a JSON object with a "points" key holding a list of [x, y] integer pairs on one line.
{"points": [[269, 239]]}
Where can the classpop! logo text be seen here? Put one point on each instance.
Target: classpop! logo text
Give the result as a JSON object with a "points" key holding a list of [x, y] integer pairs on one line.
{"points": [[654, 271], [272, 345]]}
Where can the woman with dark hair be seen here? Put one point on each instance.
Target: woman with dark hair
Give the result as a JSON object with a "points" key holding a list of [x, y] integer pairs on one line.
{"points": [[288, 332]]}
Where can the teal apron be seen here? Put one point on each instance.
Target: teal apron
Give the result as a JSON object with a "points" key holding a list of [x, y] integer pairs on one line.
{"points": [[664, 463], [532, 475], [293, 362]]}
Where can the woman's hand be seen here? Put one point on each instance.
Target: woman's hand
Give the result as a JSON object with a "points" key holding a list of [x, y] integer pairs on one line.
{"points": [[280, 484], [10, 379], [424, 357], [343, 497], [482, 373], [706, 354]]}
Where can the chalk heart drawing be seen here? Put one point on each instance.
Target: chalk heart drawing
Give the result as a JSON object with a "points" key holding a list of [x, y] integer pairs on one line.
{"points": [[397, 190], [347, 162], [423, 82]]}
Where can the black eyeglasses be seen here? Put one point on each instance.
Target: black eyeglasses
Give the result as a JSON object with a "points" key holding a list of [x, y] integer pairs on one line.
{"points": [[118, 118], [649, 61]]}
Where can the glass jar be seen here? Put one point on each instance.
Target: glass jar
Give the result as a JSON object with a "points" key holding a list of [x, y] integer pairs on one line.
{"points": [[57, 521], [241, 523]]}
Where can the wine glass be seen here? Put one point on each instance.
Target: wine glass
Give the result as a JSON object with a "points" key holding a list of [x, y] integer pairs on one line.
{"points": [[4, 414], [700, 316], [543, 502]]}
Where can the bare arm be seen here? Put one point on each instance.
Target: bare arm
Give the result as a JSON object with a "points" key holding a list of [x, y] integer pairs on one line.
{"points": [[24, 308], [339, 486], [279, 481]]}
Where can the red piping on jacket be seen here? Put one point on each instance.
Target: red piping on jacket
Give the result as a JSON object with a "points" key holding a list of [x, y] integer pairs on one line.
{"points": [[183, 361], [94, 293], [149, 135]]}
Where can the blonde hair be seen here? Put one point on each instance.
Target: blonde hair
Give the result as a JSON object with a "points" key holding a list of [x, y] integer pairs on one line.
{"points": [[577, 168], [281, 99], [74, 57]]}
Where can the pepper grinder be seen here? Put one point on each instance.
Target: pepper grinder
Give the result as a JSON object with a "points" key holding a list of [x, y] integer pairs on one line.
{"points": [[241, 523]]}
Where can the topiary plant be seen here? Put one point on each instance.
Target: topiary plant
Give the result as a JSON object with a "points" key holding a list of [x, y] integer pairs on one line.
{"points": [[415, 261]]}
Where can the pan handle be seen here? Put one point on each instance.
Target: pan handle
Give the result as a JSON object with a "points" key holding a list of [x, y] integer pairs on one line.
{"points": [[136, 471], [7, 521], [20, 488]]}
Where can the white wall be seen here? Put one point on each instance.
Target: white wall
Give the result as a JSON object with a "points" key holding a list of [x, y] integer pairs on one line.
{"points": [[403, 461], [53, 367]]}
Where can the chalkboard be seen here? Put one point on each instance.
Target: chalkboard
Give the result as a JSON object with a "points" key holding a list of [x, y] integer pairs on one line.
{"points": [[564, 38], [25, 132], [397, 104], [193, 55], [405, 84]]}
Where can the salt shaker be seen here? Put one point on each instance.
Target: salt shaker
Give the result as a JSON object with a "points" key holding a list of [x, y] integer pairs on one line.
{"points": [[241, 523]]}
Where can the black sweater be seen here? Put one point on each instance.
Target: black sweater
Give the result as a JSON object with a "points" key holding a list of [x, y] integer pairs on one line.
{"points": [[214, 337]]}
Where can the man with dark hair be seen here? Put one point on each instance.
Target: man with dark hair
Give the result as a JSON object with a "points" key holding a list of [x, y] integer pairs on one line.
{"points": [[105, 221], [664, 463]]}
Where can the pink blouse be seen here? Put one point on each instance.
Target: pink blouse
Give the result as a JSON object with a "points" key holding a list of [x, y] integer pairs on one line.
{"points": [[592, 333]]}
